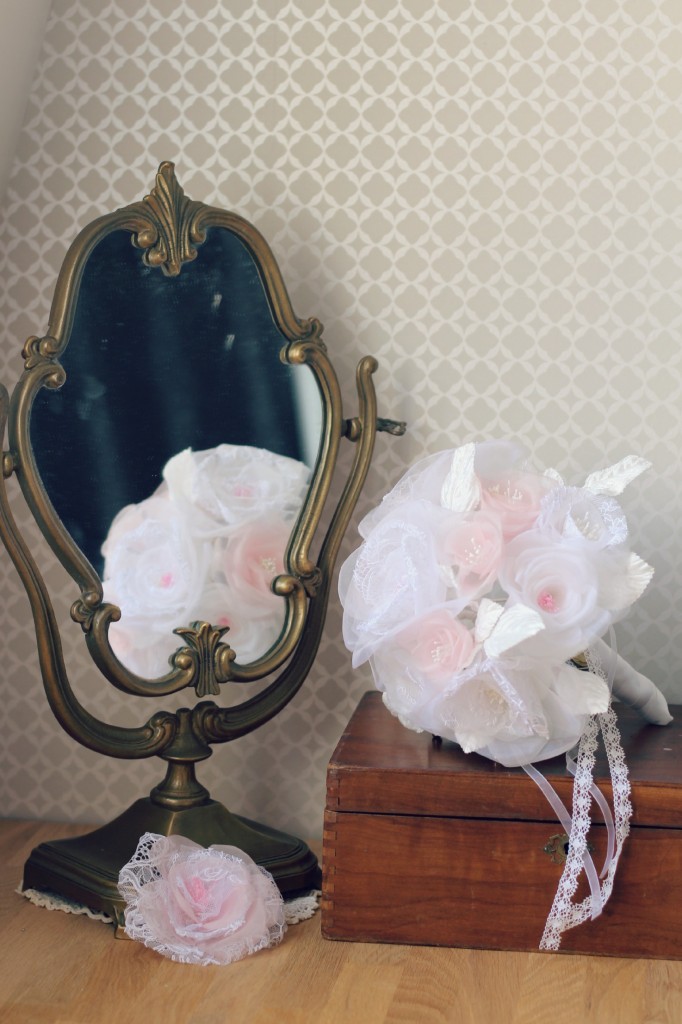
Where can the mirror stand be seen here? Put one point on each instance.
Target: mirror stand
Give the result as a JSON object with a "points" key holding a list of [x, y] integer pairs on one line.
{"points": [[85, 869], [146, 296]]}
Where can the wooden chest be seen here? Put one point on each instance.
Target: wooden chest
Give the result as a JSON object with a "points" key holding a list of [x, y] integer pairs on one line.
{"points": [[425, 844]]}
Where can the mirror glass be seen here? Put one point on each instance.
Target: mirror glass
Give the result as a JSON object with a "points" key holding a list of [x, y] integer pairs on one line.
{"points": [[179, 450]]}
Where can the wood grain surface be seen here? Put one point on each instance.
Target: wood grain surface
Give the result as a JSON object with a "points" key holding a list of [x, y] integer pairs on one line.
{"points": [[59, 969], [379, 766]]}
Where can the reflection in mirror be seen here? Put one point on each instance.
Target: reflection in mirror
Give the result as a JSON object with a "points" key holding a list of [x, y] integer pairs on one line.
{"points": [[204, 547], [184, 373]]}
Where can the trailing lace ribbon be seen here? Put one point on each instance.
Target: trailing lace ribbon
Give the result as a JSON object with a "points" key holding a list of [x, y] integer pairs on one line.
{"points": [[564, 913], [566, 821]]}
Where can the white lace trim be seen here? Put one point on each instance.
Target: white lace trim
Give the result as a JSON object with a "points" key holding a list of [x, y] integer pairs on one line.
{"points": [[565, 914], [298, 909]]}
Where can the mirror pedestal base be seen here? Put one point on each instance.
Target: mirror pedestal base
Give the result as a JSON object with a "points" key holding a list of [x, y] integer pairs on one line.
{"points": [[85, 869]]}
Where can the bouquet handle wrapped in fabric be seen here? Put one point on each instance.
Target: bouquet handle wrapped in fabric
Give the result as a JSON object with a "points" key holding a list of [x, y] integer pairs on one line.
{"points": [[632, 688], [479, 596]]}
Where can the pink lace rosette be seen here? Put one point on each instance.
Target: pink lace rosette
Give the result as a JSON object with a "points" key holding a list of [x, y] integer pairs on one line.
{"points": [[198, 905], [478, 582]]}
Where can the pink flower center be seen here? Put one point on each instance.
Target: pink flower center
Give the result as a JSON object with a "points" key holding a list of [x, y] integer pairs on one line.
{"points": [[197, 890], [243, 491], [438, 652], [223, 621], [547, 601], [472, 552], [166, 580]]}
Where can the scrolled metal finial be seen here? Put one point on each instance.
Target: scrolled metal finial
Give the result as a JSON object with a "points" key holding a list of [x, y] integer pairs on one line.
{"points": [[38, 350], [210, 658], [172, 214], [83, 610]]}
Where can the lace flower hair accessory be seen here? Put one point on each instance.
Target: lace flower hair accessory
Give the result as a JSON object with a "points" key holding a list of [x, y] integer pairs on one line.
{"points": [[198, 905], [478, 584]]}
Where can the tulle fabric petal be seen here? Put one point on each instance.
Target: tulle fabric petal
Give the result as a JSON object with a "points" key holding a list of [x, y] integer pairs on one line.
{"points": [[198, 905]]}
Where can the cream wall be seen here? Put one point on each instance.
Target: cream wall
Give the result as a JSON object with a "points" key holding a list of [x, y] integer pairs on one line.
{"points": [[485, 196], [22, 25]]}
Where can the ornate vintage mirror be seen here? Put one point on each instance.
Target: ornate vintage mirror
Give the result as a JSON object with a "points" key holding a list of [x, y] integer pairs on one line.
{"points": [[175, 434]]}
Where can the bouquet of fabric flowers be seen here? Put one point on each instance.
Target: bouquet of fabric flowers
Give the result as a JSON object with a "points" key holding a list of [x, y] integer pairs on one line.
{"points": [[479, 596], [478, 581], [205, 546]]}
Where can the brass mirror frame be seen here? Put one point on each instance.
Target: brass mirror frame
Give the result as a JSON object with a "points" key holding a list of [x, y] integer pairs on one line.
{"points": [[168, 227]]}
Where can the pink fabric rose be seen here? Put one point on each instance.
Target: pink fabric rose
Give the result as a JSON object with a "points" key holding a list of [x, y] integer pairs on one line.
{"points": [[250, 560], [472, 547], [198, 905], [516, 497], [438, 645]]}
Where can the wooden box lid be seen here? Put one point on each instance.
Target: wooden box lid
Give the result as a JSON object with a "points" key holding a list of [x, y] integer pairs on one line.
{"points": [[380, 767]]}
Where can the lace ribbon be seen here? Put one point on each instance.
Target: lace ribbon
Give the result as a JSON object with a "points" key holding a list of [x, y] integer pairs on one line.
{"points": [[564, 913]]}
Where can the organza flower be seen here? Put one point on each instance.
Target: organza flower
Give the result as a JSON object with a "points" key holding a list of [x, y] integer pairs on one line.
{"points": [[151, 564], [250, 633], [515, 497], [575, 513], [471, 549], [437, 645], [233, 484], [559, 580], [250, 559], [198, 905], [155, 573], [392, 579], [518, 711]]}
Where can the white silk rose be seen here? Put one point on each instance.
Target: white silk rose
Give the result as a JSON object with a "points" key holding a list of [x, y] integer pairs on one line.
{"points": [[155, 573], [229, 485], [517, 712], [560, 581], [391, 580], [198, 905]]}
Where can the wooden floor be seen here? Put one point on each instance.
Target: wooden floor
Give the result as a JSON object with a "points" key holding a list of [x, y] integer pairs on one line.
{"points": [[60, 969]]}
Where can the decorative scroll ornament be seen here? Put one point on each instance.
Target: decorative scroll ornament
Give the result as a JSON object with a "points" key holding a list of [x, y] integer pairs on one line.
{"points": [[171, 241], [39, 350], [206, 654]]}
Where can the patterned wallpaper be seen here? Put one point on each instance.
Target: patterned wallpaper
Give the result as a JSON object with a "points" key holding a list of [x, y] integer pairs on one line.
{"points": [[484, 195]]}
